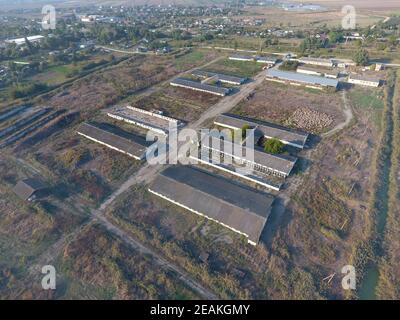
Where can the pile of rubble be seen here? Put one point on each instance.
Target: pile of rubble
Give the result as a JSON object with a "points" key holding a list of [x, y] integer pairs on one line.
{"points": [[309, 120]]}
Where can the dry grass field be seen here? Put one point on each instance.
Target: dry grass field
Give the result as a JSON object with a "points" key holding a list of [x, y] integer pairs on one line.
{"points": [[384, 5], [103, 267], [233, 269], [304, 20], [284, 104]]}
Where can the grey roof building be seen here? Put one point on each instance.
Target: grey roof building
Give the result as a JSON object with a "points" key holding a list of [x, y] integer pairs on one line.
{"points": [[221, 77], [365, 80], [237, 207], [250, 156], [133, 146], [29, 189], [288, 136], [308, 80], [317, 61], [198, 86], [328, 73], [241, 58], [267, 60], [145, 119]]}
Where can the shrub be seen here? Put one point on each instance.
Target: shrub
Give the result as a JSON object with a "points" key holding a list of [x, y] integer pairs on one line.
{"points": [[361, 57], [244, 130], [23, 91], [273, 146], [289, 65]]}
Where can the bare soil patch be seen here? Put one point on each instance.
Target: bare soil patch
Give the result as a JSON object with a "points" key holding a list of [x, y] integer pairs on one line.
{"points": [[284, 104]]}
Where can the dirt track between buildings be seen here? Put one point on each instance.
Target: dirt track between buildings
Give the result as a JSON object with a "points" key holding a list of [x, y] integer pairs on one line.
{"points": [[348, 117], [144, 175]]}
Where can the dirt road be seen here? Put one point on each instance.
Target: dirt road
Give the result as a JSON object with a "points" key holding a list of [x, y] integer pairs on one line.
{"points": [[123, 51], [163, 263], [158, 87], [145, 175], [348, 113], [148, 172]]}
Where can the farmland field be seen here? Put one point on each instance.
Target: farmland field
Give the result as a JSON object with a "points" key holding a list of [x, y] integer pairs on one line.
{"points": [[236, 68]]}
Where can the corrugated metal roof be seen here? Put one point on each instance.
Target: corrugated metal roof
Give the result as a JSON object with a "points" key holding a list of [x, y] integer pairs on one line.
{"points": [[221, 77], [269, 59], [322, 71], [200, 86], [283, 165], [271, 130], [237, 206], [311, 59], [236, 56], [133, 145], [26, 188], [147, 120], [303, 78], [364, 77]]}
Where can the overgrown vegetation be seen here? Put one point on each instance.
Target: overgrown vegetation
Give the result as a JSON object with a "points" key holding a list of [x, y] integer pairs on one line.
{"points": [[389, 276], [25, 90], [273, 146], [111, 269], [289, 65], [361, 57], [233, 270], [366, 260]]}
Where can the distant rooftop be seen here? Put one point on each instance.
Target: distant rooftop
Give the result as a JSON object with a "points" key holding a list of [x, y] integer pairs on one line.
{"points": [[143, 118], [270, 130], [311, 59], [220, 76], [282, 165], [241, 57], [133, 146], [320, 70], [364, 77], [19, 41], [25, 189], [267, 58], [200, 86], [240, 208], [302, 78]]}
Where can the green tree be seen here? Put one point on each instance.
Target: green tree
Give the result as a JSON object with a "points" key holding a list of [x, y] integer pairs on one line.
{"points": [[236, 45], [392, 40], [361, 57], [273, 146], [312, 43], [244, 130], [289, 65], [335, 37]]}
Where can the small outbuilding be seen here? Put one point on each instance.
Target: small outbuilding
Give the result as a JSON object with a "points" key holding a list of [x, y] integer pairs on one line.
{"points": [[30, 189]]}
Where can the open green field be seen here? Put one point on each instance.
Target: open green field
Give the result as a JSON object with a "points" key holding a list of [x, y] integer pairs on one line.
{"points": [[236, 68], [55, 74], [192, 59], [370, 100]]}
